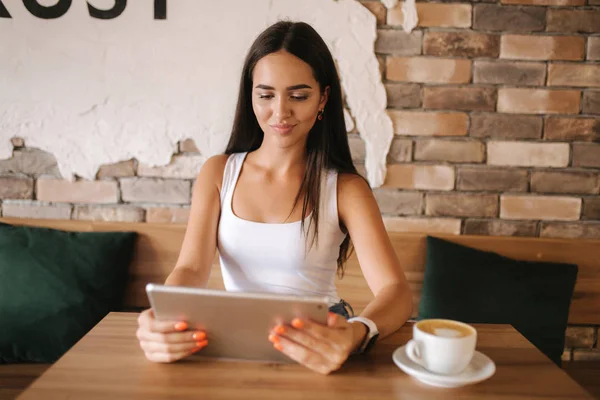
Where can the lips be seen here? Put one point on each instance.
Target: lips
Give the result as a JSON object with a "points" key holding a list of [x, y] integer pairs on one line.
{"points": [[282, 128]]}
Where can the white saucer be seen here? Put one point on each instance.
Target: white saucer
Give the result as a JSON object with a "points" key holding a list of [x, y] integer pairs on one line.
{"points": [[480, 368]]}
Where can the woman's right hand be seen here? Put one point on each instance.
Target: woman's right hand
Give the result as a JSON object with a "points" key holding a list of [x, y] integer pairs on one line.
{"points": [[167, 341]]}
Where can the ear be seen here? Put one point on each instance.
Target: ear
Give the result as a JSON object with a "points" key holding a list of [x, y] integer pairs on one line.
{"points": [[324, 97]]}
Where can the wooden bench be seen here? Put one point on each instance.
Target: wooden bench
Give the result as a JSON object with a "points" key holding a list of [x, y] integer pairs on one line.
{"points": [[158, 246]]}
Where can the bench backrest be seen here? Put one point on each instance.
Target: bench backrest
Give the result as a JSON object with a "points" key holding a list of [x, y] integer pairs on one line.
{"points": [[158, 248]]}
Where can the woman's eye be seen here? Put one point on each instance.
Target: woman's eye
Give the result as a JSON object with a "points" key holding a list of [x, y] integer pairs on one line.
{"points": [[299, 97], [265, 96]]}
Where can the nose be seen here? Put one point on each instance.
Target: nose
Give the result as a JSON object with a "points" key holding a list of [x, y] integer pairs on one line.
{"points": [[282, 108]]}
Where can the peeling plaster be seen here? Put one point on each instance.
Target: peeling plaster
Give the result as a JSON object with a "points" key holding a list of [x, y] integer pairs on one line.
{"points": [[94, 92]]}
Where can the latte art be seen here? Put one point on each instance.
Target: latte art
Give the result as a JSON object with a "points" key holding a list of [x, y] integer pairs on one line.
{"points": [[444, 328]]}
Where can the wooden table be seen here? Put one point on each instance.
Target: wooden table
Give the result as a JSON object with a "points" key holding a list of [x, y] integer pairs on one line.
{"points": [[108, 364]]}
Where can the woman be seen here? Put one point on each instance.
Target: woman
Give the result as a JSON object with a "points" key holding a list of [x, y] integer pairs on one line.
{"points": [[282, 205]]}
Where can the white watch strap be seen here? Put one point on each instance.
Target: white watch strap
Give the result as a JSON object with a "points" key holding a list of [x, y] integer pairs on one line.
{"points": [[371, 330]]}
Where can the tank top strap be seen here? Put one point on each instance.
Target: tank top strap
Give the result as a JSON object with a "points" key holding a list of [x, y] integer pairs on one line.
{"points": [[233, 166]]}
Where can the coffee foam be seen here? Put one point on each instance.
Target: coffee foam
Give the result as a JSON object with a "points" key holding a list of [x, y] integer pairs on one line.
{"points": [[444, 328]]}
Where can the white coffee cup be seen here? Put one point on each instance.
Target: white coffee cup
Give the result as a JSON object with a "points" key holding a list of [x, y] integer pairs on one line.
{"points": [[442, 346]]}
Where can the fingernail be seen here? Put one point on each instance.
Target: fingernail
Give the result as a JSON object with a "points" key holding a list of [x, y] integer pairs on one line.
{"points": [[297, 323], [331, 318], [278, 346], [199, 336], [181, 326], [273, 338], [201, 343], [279, 329]]}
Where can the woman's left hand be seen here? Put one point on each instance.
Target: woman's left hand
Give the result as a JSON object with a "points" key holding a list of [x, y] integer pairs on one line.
{"points": [[322, 348]]}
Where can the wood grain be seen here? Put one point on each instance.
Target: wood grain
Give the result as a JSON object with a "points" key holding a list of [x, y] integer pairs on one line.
{"points": [[108, 363], [158, 247]]}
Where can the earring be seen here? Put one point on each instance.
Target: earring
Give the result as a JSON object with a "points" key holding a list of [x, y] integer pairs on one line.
{"points": [[320, 114]]}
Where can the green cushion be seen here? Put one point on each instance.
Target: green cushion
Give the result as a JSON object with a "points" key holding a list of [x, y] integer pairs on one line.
{"points": [[475, 286], [55, 286]]}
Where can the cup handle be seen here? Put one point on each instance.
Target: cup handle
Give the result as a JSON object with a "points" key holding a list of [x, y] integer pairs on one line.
{"points": [[413, 351]]}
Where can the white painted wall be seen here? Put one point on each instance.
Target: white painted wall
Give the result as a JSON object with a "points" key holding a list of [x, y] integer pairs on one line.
{"points": [[94, 92]]}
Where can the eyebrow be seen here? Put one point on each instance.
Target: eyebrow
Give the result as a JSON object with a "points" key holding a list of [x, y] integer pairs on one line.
{"points": [[295, 87]]}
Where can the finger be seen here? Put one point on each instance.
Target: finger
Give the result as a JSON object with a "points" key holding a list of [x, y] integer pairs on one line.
{"points": [[171, 348], [303, 338], [336, 321], [173, 337], [170, 357], [304, 356], [147, 320]]}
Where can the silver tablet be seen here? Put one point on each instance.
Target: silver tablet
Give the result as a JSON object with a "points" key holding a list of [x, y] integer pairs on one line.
{"points": [[237, 323]]}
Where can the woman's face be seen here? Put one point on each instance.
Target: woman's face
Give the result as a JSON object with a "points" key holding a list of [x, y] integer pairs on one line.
{"points": [[286, 98]]}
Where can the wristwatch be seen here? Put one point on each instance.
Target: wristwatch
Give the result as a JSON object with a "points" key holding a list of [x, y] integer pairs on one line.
{"points": [[370, 338]]}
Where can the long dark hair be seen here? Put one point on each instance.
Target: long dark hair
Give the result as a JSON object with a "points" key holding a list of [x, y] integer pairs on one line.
{"points": [[327, 143]]}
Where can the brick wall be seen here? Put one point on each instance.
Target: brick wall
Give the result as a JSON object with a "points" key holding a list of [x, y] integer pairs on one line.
{"points": [[496, 111]]}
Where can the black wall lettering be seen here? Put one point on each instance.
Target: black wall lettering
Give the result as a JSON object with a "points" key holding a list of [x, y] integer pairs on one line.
{"points": [[160, 9], [114, 12], [3, 11], [51, 12]]}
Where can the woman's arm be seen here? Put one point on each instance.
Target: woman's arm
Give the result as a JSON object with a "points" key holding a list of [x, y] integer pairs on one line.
{"points": [[200, 240], [359, 212]]}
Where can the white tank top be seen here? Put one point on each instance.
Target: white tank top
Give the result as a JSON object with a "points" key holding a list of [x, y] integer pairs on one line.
{"points": [[264, 257]]}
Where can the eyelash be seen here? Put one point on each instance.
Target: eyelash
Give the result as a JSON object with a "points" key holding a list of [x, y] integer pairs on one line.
{"points": [[270, 96]]}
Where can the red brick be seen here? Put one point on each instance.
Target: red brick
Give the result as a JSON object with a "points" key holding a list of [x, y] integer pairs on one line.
{"points": [[425, 225], [538, 101], [527, 47], [168, 215], [420, 177], [591, 208], [492, 179], [460, 98], [377, 9], [593, 48], [524, 154], [450, 151], [502, 126], [491, 227], [584, 75], [579, 337], [400, 151], [549, 208], [117, 170], [573, 230], [586, 155], [35, 210], [492, 17], [583, 21], [155, 190], [429, 70], [398, 42], [591, 102], [435, 15], [546, 2], [15, 187], [509, 73], [462, 205], [420, 123], [461, 44], [565, 182], [398, 202], [403, 95], [188, 146], [109, 213], [571, 129]]}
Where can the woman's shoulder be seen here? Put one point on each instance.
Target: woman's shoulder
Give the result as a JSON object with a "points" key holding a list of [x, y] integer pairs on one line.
{"points": [[213, 169], [352, 184]]}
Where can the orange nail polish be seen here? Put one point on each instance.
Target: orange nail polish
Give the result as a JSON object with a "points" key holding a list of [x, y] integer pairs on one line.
{"points": [[297, 323], [273, 338], [278, 346], [199, 336], [331, 318], [181, 326], [202, 343], [279, 329]]}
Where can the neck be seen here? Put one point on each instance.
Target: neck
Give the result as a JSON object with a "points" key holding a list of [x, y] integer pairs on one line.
{"points": [[281, 161]]}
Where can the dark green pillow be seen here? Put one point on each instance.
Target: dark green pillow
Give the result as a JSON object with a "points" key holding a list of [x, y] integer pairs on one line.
{"points": [[476, 286], [55, 286]]}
